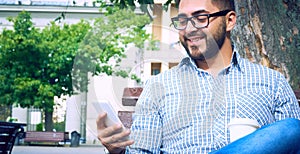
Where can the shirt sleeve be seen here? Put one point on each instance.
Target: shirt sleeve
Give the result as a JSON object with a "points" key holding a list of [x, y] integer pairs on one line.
{"points": [[286, 102], [146, 130]]}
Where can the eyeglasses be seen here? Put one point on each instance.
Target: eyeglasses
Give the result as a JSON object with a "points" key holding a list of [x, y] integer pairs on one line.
{"points": [[198, 21]]}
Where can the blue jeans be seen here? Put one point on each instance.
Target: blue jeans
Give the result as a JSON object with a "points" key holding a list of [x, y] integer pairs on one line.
{"points": [[281, 137]]}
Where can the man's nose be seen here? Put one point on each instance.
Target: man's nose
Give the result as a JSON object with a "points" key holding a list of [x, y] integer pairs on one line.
{"points": [[190, 27]]}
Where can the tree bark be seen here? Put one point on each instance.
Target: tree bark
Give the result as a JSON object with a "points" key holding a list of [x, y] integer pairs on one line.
{"points": [[48, 121], [5, 111], [267, 32]]}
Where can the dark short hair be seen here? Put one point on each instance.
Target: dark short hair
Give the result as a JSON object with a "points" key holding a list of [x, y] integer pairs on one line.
{"points": [[221, 4]]}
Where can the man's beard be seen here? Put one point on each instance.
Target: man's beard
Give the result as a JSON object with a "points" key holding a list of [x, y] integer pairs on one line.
{"points": [[213, 44]]}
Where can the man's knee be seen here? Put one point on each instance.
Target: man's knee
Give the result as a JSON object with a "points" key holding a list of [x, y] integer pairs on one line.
{"points": [[283, 135], [291, 134], [291, 122], [290, 126], [295, 123]]}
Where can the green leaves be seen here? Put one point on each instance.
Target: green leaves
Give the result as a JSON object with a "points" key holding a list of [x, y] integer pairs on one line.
{"points": [[36, 65], [104, 46]]}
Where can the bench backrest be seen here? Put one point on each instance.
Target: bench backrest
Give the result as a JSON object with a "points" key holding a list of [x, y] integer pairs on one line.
{"points": [[131, 95], [39, 136]]}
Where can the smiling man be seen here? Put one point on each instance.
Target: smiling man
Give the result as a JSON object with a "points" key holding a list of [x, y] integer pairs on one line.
{"points": [[187, 109], [204, 31]]}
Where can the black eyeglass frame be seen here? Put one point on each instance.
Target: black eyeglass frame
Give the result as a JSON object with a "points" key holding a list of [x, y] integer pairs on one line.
{"points": [[216, 14]]}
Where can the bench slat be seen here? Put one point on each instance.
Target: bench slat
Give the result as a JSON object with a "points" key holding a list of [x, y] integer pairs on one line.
{"points": [[8, 130], [33, 136], [5, 138]]}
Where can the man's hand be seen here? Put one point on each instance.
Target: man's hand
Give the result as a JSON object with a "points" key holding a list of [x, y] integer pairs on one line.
{"points": [[109, 136]]}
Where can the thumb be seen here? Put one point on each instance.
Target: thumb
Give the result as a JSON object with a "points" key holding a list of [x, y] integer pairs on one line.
{"points": [[101, 121]]}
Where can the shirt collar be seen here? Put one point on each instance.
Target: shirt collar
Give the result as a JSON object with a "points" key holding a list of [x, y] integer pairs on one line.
{"points": [[236, 62], [187, 61]]}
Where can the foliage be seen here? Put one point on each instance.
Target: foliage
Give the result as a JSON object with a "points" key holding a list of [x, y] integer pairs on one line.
{"points": [[59, 126], [36, 64], [125, 4], [62, 45], [16, 45], [39, 127], [104, 46], [144, 5]]}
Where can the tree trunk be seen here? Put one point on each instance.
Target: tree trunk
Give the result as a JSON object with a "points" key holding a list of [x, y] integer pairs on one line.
{"points": [[267, 32], [48, 121], [5, 111]]}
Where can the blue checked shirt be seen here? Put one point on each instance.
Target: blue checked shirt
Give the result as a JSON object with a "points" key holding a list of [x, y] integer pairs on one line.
{"points": [[186, 110]]}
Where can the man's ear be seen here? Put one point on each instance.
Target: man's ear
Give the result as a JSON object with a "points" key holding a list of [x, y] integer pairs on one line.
{"points": [[230, 20]]}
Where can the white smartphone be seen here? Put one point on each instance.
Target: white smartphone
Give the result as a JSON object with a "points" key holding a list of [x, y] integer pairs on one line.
{"points": [[112, 117]]}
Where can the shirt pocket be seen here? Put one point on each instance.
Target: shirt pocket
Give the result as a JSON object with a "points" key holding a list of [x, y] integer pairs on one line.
{"points": [[254, 105]]}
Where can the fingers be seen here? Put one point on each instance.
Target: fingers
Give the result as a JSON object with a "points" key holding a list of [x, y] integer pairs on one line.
{"points": [[103, 130], [101, 121], [118, 137], [118, 145], [114, 138], [111, 134], [110, 131]]}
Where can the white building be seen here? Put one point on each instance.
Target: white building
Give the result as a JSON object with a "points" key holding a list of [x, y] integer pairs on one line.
{"points": [[101, 87]]}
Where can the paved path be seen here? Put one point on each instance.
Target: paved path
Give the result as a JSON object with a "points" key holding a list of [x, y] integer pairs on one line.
{"points": [[57, 150]]}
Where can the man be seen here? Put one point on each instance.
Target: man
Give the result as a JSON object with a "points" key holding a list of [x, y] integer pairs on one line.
{"points": [[187, 109]]}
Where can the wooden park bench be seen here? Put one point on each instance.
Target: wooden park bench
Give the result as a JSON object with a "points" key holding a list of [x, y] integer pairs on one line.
{"points": [[129, 98], [126, 118], [131, 95], [45, 137], [8, 133]]}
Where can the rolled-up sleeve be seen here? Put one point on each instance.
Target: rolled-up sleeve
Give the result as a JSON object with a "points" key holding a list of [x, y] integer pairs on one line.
{"points": [[146, 129], [286, 102]]}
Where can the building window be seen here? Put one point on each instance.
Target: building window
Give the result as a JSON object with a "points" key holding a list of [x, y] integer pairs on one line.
{"points": [[155, 68], [172, 65]]}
